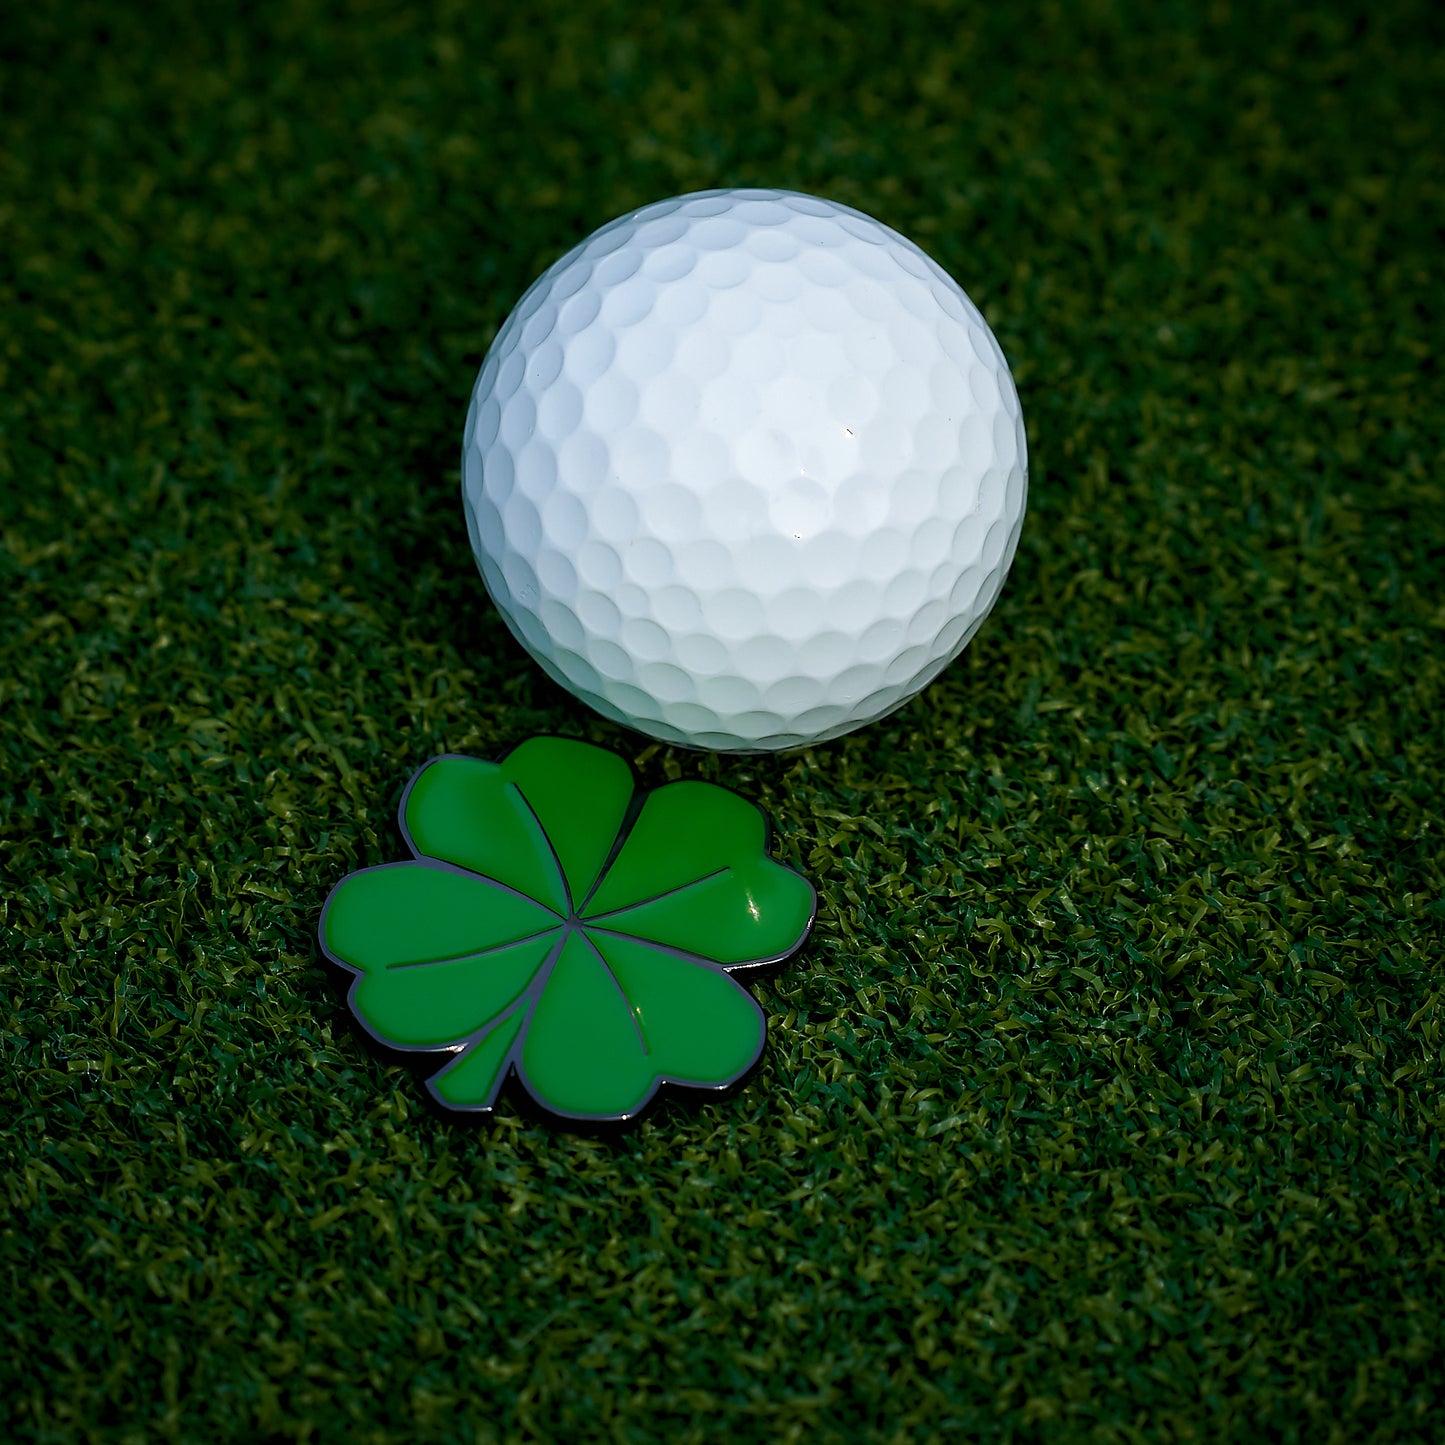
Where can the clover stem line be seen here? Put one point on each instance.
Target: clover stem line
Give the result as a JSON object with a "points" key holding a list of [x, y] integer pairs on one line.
{"points": [[528, 996], [666, 893], [459, 1050]]}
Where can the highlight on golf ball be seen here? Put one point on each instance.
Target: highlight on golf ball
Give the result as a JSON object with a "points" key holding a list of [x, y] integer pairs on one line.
{"points": [[744, 470]]}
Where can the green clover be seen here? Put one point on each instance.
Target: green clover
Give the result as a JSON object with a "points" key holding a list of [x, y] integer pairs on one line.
{"points": [[555, 928]]}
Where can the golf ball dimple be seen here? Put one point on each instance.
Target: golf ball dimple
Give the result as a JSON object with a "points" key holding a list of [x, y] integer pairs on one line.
{"points": [[744, 470]]}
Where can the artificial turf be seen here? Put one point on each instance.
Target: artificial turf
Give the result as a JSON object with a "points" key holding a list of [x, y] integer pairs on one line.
{"points": [[1105, 1103]]}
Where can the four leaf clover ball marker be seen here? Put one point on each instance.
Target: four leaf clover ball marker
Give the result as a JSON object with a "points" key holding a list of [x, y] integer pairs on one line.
{"points": [[556, 928]]}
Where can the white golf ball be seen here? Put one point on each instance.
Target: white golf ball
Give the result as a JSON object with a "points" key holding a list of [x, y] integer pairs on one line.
{"points": [[744, 470]]}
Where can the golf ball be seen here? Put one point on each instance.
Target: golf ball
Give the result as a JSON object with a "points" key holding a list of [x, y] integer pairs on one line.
{"points": [[744, 470]]}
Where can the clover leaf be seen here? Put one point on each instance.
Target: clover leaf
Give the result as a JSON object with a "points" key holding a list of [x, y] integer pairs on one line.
{"points": [[553, 927]]}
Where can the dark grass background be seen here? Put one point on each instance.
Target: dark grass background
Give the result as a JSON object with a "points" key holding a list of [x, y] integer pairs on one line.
{"points": [[1106, 1103]]}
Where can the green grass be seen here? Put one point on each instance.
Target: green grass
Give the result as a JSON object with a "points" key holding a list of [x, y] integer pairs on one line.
{"points": [[1105, 1104]]}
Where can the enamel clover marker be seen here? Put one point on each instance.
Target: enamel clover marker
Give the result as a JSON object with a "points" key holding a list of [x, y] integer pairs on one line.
{"points": [[557, 929]]}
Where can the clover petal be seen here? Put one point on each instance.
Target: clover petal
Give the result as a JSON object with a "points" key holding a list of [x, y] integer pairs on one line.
{"points": [[438, 951], [694, 874], [424, 1005], [472, 814], [696, 1023], [584, 1054], [406, 913], [580, 795], [618, 1018]]}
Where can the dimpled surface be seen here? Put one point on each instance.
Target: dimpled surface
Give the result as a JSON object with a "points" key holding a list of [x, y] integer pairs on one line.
{"points": [[744, 470]]}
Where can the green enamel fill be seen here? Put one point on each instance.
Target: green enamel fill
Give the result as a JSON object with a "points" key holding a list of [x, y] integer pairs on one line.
{"points": [[472, 1081], [693, 874], [409, 913], [440, 1003], [584, 1052], [697, 1024], [684, 832], [473, 815], [732, 917], [580, 794]]}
